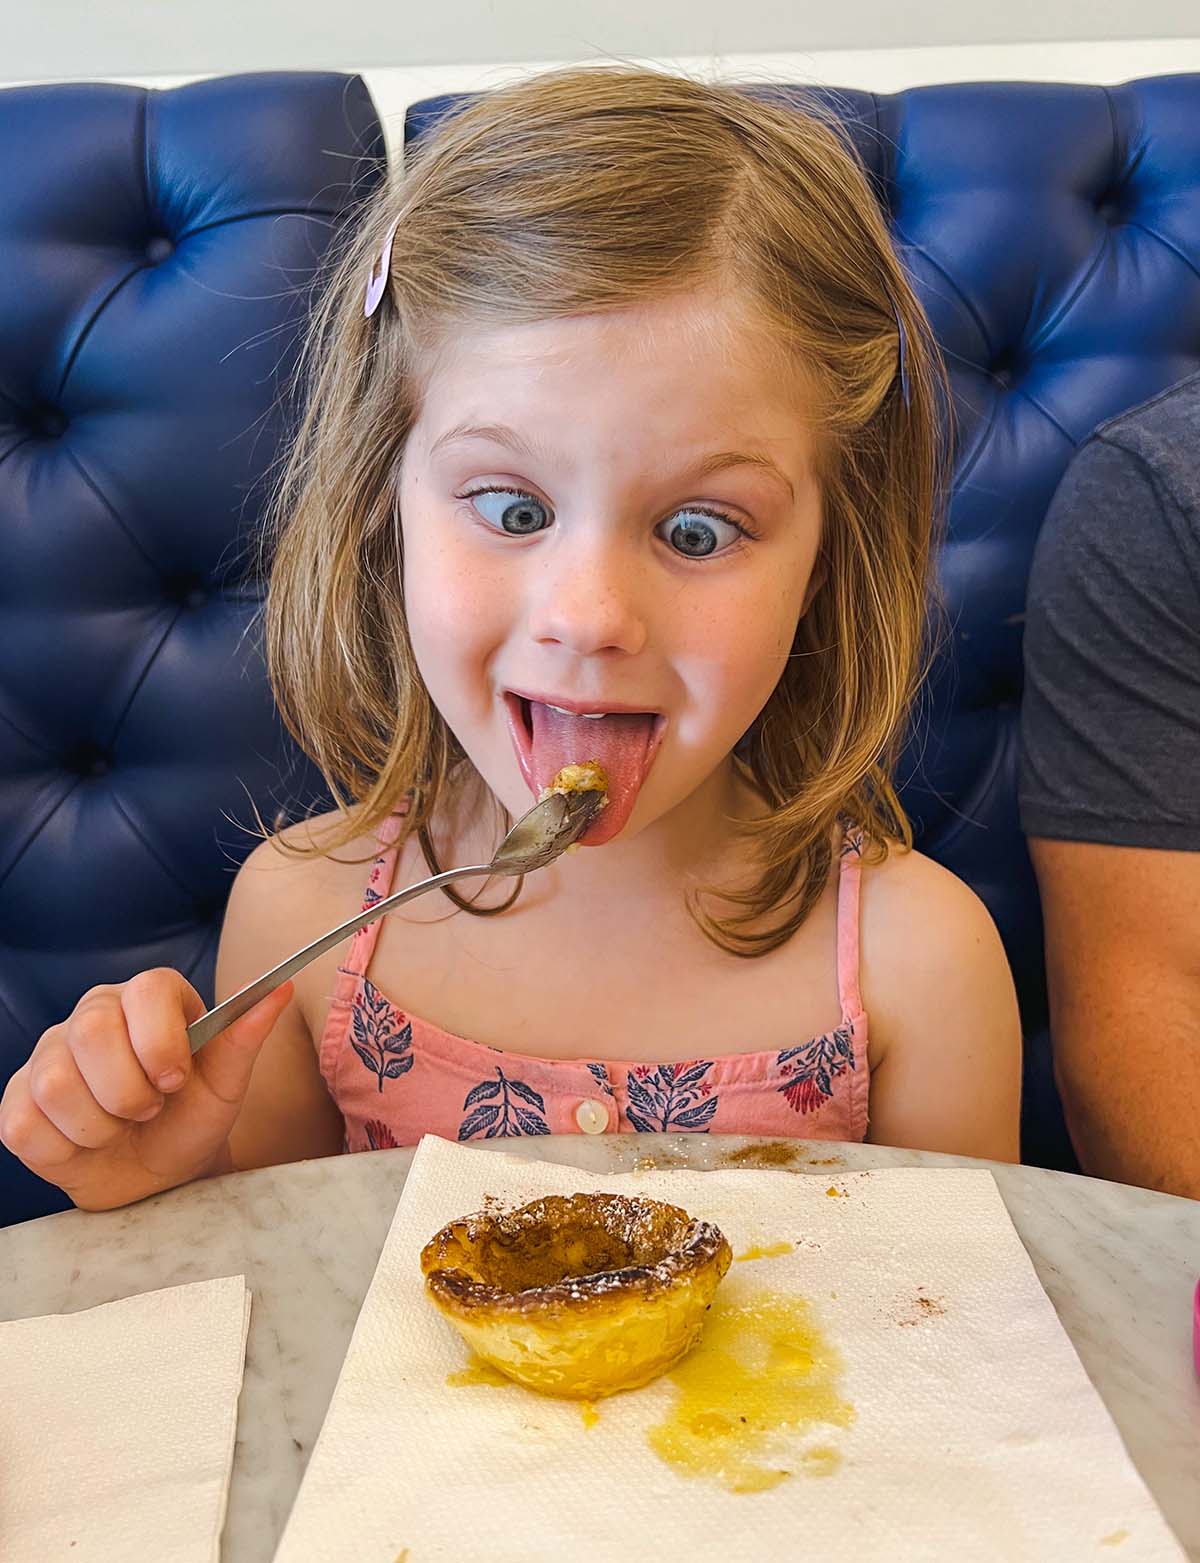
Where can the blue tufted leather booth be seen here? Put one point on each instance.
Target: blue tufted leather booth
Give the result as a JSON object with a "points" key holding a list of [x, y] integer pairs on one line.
{"points": [[159, 247], [159, 250]]}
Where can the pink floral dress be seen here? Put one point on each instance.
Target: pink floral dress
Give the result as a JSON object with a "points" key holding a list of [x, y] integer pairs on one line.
{"points": [[395, 1077]]}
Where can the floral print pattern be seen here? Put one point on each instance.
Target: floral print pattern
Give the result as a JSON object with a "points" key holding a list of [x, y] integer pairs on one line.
{"points": [[503, 1107], [853, 841], [673, 1096], [812, 1068], [381, 1036], [376, 885]]}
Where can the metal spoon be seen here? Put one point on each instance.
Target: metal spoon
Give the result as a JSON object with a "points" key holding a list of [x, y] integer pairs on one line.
{"points": [[535, 840]]}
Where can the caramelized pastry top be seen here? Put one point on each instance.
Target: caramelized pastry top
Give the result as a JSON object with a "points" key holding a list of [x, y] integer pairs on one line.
{"points": [[568, 1252]]}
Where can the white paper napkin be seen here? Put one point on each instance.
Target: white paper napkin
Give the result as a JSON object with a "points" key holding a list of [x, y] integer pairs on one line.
{"points": [[976, 1434], [117, 1427]]}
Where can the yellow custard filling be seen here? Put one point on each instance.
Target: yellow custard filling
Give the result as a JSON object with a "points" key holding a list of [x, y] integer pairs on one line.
{"points": [[588, 777]]}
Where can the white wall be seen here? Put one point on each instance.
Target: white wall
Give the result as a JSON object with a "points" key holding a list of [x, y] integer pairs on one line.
{"points": [[135, 38]]}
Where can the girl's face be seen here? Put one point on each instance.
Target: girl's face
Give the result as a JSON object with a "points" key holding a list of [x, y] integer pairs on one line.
{"points": [[617, 516]]}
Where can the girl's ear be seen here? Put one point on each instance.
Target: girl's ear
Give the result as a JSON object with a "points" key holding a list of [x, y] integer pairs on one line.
{"points": [[820, 574]]}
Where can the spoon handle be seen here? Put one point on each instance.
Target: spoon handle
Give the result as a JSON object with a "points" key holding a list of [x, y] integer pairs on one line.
{"points": [[235, 1006]]}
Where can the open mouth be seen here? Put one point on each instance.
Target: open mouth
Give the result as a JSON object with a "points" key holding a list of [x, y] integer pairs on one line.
{"points": [[546, 736]]}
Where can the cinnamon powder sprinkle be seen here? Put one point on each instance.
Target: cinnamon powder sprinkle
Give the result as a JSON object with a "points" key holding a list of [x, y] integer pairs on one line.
{"points": [[778, 1153], [924, 1307]]}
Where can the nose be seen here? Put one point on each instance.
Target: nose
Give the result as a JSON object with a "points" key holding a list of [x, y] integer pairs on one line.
{"points": [[588, 599]]}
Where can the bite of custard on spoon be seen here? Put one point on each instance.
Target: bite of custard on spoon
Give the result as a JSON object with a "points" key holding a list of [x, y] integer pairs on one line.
{"points": [[587, 777]]}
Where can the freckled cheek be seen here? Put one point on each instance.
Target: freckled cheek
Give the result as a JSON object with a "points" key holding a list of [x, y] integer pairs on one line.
{"points": [[457, 608], [733, 653]]}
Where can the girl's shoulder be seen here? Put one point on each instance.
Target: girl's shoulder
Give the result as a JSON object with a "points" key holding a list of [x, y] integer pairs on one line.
{"points": [[308, 854], [904, 881], [944, 1025], [301, 880], [920, 923]]}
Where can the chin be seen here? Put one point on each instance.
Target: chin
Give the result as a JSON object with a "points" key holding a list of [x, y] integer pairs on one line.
{"points": [[648, 812]]}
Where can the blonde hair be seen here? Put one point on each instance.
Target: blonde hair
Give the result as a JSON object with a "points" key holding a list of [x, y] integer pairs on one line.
{"points": [[580, 191]]}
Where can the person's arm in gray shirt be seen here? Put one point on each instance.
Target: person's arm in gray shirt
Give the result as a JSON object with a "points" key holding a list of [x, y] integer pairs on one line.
{"points": [[1110, 796]]}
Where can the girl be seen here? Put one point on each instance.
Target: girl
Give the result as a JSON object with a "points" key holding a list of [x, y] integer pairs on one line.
{"points": [[630, 455]]}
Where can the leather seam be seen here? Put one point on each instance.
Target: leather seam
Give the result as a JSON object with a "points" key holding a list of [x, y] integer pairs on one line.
{"points": [[144, 842]]}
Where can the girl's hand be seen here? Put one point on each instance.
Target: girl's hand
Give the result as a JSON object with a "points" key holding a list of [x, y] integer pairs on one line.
{"points": [[112, 1106]]}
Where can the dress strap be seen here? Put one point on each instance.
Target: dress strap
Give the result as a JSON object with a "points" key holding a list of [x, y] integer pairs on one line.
{"points": [[849, 890], [379, 886]]}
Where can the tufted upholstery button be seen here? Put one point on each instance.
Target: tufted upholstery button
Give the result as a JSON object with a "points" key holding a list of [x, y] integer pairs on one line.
{"points": [[89, 759], [1109, 211], [1004, 371], [49, 422], [159, 249], [187, 590]]}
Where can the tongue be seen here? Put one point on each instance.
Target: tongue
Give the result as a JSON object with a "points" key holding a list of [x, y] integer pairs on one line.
{"points": [[619, 743]]}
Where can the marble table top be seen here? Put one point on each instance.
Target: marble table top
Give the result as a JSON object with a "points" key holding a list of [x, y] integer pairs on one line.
{"points": [[1118, 1263]]}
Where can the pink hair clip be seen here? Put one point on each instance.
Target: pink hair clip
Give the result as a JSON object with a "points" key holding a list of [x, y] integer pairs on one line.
{"points": [[378, 280]]}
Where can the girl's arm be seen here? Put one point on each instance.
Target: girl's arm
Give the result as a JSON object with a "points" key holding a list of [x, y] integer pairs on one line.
{"points": [[945, 1032], [287, 1114]]}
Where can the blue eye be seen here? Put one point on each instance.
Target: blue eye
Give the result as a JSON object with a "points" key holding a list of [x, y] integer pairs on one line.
{"points": [[511, 511], [694, 534]]}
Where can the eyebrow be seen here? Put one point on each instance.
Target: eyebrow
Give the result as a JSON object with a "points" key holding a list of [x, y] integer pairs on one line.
{"points": [[742, 458], [498, 433], [501, 434]]}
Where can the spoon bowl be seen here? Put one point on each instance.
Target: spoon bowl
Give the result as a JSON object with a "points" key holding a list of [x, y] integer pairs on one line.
{"points": [[547, 830]]}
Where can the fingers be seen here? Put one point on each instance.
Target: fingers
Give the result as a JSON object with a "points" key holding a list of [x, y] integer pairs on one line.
{"points": [[85, 1085], [57, 1089], [156, 1008], [94, 1079], [227, 1062], [27, 1132], [97, 1038]]}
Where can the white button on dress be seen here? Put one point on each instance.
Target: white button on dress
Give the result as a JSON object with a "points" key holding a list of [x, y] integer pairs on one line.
{"points": [[591, 1117]]}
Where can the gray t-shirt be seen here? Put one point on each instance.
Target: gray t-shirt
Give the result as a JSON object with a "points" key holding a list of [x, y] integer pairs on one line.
{"points": [[1110, 720]]}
